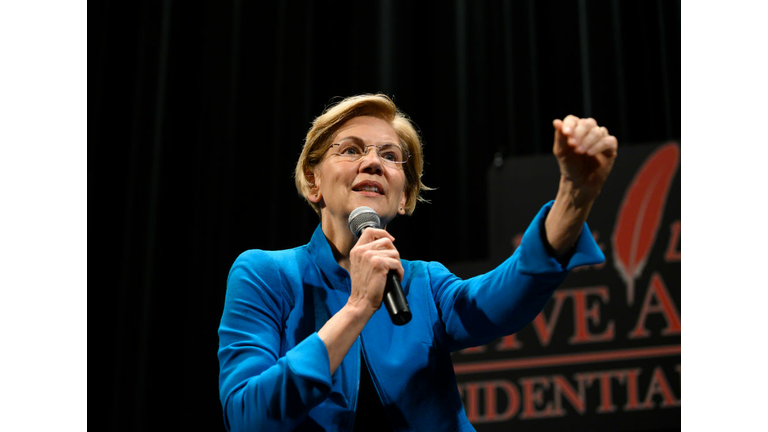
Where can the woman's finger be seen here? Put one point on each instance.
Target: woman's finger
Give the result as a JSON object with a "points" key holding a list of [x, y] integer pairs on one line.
{"points": [[569, 124], [607, 145], [594, 136], [380, 244], [387, 262], [372, 234], [581, 130]]}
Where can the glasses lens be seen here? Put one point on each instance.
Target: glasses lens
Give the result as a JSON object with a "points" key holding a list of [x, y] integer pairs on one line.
{"points": [[351, 149], [391, 153]]}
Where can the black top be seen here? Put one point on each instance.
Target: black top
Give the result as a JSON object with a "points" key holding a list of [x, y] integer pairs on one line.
{"points": [[370, 415]]}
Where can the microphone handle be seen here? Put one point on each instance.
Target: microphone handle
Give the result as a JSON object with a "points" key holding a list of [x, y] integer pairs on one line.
{"points": [[395, 302]]}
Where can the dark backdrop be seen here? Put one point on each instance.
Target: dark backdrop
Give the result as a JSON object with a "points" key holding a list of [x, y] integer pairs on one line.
{"points": [[196, 116]]}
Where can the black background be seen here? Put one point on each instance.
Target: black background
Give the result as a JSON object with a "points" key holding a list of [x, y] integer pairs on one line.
{"points": [[196, 116]]}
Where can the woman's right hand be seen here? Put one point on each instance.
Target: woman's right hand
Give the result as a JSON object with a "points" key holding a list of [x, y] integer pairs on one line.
{"points": [[373, 256], [371, 259]]}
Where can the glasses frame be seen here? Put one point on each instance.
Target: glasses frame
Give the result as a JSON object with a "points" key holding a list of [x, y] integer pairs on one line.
{"points": [[366, 148]]}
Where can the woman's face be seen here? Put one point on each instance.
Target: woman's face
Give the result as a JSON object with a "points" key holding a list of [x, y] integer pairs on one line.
{"points": [[343, 185]]}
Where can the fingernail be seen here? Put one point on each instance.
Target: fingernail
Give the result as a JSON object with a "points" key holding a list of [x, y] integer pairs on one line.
{"points": [[566, 129]]}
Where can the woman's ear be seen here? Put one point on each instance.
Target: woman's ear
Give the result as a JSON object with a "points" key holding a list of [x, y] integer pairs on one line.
{"points": [[401, 209], [314, 189]]}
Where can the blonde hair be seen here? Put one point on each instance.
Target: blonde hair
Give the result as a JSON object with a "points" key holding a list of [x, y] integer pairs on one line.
{"points": [[324, 127]]}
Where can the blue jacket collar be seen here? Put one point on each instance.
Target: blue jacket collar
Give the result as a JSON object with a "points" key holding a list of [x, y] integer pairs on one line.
{"points": [[321, 253]]}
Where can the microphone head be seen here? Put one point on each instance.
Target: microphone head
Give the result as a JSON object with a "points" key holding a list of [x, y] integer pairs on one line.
{"points": [[362, 218]]}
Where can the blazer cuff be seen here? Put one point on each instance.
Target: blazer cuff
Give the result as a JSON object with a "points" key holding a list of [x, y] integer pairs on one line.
{"points": [[536, 257], [309, 360]]}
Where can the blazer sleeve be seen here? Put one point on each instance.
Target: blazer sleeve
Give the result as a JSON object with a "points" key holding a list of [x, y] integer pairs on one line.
{"points": [[479, 310], [259, 390]]}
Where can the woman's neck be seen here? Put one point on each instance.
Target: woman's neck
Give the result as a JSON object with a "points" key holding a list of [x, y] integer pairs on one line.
{"points": [[340, 238]]}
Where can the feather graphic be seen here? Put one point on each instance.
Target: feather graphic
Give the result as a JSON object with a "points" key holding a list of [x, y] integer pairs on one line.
{"points": [[640, 214]]}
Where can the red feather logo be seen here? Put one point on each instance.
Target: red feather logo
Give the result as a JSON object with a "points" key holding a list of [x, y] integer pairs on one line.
{"points": [[640, 214]]}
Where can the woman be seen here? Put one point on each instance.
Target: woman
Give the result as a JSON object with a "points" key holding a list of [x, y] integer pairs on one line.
{"points": [[304, 342]]}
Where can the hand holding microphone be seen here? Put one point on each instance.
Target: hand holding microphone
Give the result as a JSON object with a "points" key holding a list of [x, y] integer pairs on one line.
{"points": [[385, 259]]}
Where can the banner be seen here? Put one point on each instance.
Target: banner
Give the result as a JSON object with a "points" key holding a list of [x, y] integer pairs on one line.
{"points": [[605, 352]]}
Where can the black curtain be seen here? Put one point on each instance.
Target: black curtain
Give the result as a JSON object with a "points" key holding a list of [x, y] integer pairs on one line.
{"points": [[197, 114]]}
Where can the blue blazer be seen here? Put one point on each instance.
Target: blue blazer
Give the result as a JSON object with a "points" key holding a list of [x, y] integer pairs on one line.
{"points": [[275, 371]]}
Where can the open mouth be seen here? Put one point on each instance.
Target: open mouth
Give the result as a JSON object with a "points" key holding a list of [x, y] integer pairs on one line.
{"points": [[367, 186]]}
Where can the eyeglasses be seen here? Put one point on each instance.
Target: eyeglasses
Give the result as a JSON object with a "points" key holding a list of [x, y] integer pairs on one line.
{"points": [[390, 154]]}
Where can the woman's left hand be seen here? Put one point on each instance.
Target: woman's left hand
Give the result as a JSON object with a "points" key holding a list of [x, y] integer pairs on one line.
{"points": [[585, 153]]}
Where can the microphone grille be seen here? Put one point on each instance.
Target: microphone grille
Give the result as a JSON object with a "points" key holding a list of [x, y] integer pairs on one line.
{"points": [[361, 218]]}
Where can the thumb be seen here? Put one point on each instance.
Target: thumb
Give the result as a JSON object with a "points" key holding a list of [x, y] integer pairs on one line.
{"points": [[561, 140]]}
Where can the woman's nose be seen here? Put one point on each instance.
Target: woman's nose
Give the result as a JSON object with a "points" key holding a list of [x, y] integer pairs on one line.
{"points": [[371, 159]]}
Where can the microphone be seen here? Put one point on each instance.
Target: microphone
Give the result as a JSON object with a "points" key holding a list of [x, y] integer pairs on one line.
{"points": [[394, 297]]}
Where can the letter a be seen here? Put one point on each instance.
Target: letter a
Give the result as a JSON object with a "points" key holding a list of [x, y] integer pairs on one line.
{"points": [[664, 305]]}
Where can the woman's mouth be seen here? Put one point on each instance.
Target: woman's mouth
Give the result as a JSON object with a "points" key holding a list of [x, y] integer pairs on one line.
{"points": [[371, 187]]}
